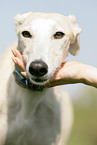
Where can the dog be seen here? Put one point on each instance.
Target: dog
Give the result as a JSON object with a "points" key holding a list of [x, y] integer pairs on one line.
{"points": [[31, 114]]}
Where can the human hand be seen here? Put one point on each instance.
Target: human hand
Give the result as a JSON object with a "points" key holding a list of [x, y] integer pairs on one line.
{"points": [[69, 72], [18, 59]]}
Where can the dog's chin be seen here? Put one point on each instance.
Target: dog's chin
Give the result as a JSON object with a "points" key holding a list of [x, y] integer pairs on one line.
{"points": [[39, 81]]}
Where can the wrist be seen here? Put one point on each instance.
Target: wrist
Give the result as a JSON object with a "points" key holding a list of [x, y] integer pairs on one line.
{"points": [[89, 75]]}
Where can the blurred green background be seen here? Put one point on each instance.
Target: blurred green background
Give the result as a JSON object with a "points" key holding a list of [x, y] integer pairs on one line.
{"points": [[84, 131]]}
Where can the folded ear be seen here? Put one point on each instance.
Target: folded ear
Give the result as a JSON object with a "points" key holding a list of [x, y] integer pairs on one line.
{"points": [[75, 28], [19, 18]]}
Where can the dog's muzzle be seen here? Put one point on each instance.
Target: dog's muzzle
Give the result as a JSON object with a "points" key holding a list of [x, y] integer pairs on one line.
{"points": [[24, 81], [38, 71]]}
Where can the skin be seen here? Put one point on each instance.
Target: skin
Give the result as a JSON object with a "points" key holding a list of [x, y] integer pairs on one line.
{"points": [[69, 73]]}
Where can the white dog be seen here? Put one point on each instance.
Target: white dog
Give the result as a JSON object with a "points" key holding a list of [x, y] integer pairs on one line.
{"points": [[36, 115]]}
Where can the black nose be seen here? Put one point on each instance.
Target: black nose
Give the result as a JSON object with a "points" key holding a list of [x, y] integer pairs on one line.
{"points": [[38, 68]]}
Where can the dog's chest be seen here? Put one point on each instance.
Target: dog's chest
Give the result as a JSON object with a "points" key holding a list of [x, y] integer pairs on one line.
{"points": [[36, 129]]}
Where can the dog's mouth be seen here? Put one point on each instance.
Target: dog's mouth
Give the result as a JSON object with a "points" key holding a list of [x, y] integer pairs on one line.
{"points": [[39, 81]]}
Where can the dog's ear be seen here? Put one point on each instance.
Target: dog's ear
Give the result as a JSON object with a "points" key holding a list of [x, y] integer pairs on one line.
{"points": [[19, 18], [75, 28]]}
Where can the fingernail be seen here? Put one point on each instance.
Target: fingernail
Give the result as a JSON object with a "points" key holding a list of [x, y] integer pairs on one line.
{"points": [[24, 74], [13, 52], [14, 60]]}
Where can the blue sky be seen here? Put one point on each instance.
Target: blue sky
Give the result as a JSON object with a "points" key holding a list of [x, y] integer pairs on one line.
{"points": [[85, 11]]}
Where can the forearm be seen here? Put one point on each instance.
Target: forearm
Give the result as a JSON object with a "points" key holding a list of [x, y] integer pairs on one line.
{"points": [[74, 72], [89, 76]]}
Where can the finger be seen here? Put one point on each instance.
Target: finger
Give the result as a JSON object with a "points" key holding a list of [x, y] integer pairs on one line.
{"points": [[48, 85], [20, 63], [17, 53], [24, 74]]}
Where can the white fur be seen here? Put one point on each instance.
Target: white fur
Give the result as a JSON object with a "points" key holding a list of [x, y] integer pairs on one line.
{"points": [[37, 118]]}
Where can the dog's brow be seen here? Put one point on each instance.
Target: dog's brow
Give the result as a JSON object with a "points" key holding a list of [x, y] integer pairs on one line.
{"points": [[42, 23]]}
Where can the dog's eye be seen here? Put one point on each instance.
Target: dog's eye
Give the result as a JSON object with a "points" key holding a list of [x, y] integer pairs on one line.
{"points": [[59, 35], [26, 34]]}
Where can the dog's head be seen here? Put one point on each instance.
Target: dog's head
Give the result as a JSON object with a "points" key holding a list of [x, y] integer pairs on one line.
{"points": [[45, 40]]}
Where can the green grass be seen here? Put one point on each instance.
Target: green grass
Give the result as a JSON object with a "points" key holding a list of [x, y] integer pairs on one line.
{"points": [[84, 130]]}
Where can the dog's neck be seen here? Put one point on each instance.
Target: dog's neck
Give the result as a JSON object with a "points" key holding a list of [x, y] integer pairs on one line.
{"points": [[31, 99], [24, 81]]}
